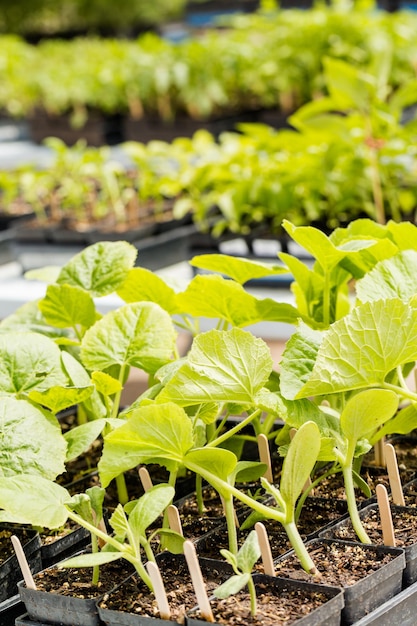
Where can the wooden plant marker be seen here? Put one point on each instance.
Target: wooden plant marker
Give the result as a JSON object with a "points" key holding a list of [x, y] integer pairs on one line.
{"points": [[174, 519], [386, 517], [379, 452], [394, 475], [307, 484], [24, 565], [265, 456], [145, 479], [159, 590], [197, 580], [267, 560]]}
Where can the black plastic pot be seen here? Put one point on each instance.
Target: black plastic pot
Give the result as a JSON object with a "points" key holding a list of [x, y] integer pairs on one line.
{"points": [[328, 614], [10, 609], [66, 610], [52, 608], [369, 593], [398, 611], [10, 572], [410, 551], [65, 546]]}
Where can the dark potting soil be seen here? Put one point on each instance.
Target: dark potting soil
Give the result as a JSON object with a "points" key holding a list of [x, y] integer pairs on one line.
{"points": [[333, 486], [278, 610], [76, 582], [338, 565], [134, 597], [6, 546], [404, 522], [282, 609]]}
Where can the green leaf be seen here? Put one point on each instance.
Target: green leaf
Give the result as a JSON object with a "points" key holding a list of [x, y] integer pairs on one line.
{"points": [[222, 366], [239, 269], [80, 438], [402, 423], [249, 553], [93, 406], [140, 335], [29, 361], [216, 297], [393, 278], [119, 522], [233, 585], [91, 560], [153, 434], [299, 462], [101, 268], [142, 285], [34, 500], [349, 86], [360, 350], [149, 507], [217, 462], [105, 384], [367, 410], [31, 440], [298, 360], [67, 306], [317, 244], [58, 398], [248, 471]]}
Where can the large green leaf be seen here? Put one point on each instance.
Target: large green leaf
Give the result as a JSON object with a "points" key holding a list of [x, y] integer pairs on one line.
{"points": [[298, 360], [222, 366], [299, 462], [142, 285], [361, 349], [100, 268], [210, 462], [217, 297], [93, 406], [58, 398], [67, 306], [239, 269], [149, 507], [29, 361], [393, 278], [31, 440], [317, 244], [139, 335], [34, 500], [153, 434], [367, 410]]}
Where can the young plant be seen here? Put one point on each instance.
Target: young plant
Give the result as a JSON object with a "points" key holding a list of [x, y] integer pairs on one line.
{"points": [[28, 499], [242, 563]]}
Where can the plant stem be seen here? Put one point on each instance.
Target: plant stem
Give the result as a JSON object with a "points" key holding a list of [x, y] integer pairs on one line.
{"points": [[122, 493], [252, 594], [403, 393], [199, 493], [96, 569], [352, 505], [302, 498], [216, 442], [231, 523], [121, 548], [299, 548]]}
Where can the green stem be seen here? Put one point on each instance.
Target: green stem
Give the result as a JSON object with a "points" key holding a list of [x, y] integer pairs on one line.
{"points": [[302, 498], [299, 547], [216, 442], [352, 504], [118, 394], [120, 547], [227, 490], [199, 493], [231, 523], [326, 299], [96, 569], [122, 489], [252, 594], [404, 393]]}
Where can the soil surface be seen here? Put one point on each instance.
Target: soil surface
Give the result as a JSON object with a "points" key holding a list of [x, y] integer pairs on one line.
{"points": [[278, 609], [404, 522], [340, 565]]}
